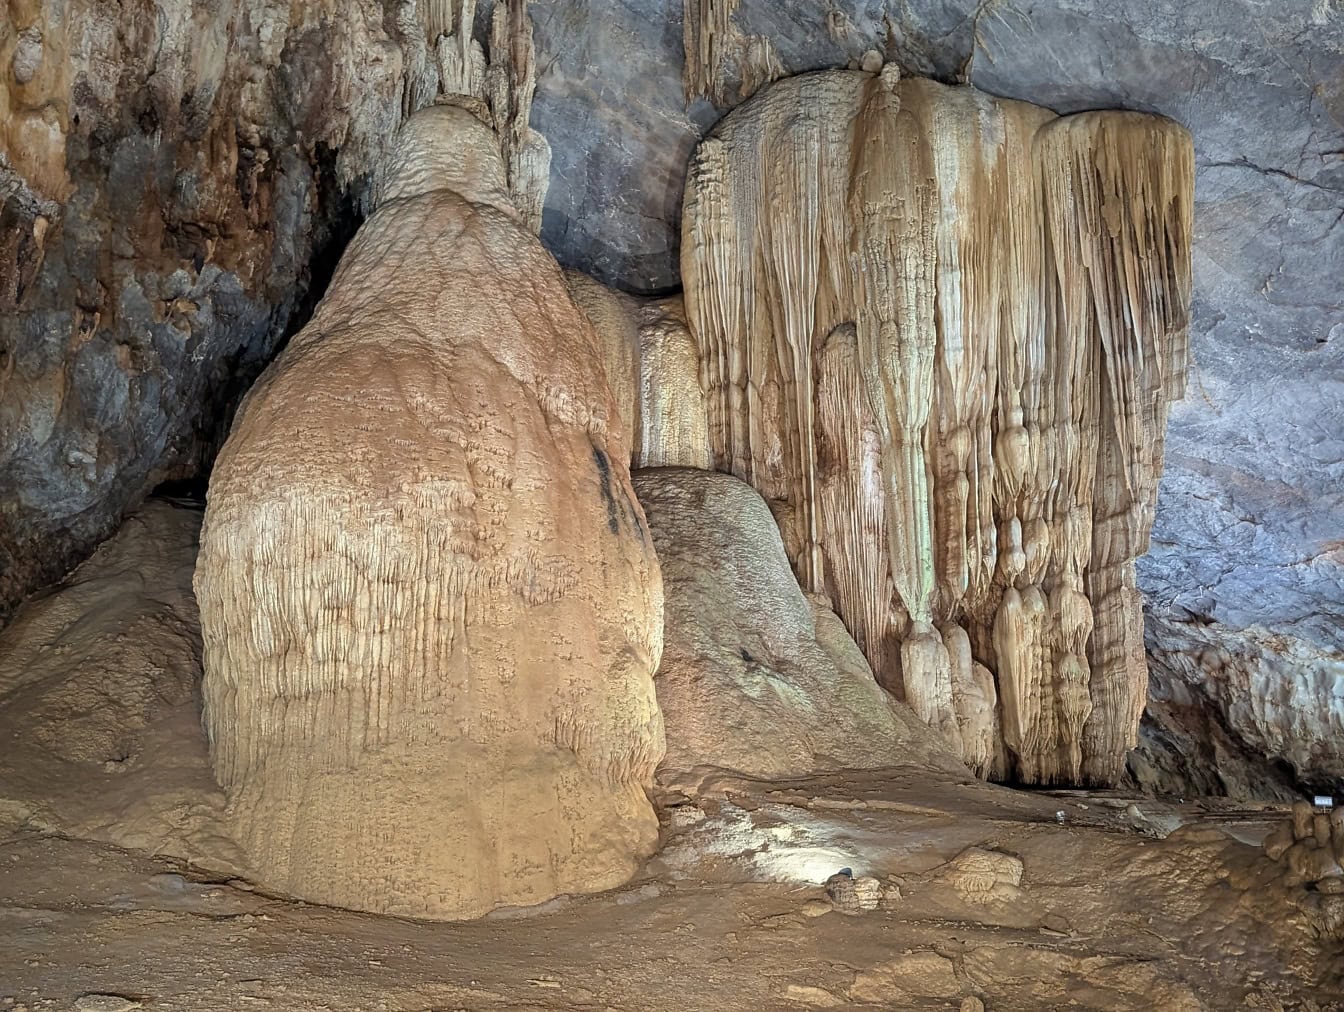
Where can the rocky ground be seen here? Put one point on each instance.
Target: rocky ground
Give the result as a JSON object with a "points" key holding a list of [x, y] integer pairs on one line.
{"points": [[983, 895]]}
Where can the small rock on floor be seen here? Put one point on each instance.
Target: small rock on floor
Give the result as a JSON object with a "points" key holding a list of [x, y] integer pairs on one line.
{"points": [[105, 1003], [816, 997]]}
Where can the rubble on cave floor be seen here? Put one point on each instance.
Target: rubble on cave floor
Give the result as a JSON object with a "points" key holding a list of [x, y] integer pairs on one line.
{"points": [[908, 886]]}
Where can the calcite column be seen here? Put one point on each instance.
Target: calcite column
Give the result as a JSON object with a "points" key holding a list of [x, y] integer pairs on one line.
{"points": [[893, 207], [1120, 197]]}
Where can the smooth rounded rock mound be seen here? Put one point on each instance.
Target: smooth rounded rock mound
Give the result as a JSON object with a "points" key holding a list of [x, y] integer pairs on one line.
{"points": [[755, 676]]}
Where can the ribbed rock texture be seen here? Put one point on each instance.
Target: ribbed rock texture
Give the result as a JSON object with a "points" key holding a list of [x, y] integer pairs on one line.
{"points": [[1245, 548], [653, 364], [939, 333], [756, 677], [430, 607]]}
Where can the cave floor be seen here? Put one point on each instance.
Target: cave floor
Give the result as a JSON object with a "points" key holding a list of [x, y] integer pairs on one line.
{"points": [[1119, 906]]}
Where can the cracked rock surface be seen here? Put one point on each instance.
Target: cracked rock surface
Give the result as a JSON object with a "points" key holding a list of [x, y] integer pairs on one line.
{"points": [[175, 182]]}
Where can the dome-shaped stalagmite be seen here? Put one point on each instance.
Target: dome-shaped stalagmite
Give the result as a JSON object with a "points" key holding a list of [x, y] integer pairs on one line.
{"points": [[939, 333], [756, 677], [430, 606]]}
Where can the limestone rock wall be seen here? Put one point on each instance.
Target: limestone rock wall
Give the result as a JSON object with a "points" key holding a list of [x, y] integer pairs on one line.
{"points": [[1256, 714], [949, 326], [430, 607], [176, 183], [174, 179]]}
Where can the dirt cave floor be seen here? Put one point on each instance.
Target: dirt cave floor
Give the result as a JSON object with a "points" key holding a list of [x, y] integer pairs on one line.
{"points": [[730, 915], [120, 888]]}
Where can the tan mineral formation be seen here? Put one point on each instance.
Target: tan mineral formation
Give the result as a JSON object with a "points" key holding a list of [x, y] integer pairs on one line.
{"points": [[1309, 847], [653, 364], [756, 677], [430, 607], [939, 332], [498, 89]]}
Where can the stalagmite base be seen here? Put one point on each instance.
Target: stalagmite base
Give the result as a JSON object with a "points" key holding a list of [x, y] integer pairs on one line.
{"points": [[757, 677]]}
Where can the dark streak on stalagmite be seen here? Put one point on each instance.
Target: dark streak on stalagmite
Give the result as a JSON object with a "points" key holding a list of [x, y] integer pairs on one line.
{"points": [[604, 475]]}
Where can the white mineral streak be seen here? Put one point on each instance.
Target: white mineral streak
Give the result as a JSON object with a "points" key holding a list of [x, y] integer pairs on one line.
{"points": [[939, 332]]}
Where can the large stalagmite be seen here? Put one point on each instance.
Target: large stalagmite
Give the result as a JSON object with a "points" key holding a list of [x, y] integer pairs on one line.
{"points": [[430, 607], [940, 332]]}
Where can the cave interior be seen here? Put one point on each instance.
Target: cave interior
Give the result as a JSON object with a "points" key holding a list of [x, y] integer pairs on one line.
{"points": [[635, 504]]}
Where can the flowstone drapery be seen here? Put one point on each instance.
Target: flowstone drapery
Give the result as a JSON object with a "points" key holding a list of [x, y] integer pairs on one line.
{"points": [[653, 365], [939, 333]]}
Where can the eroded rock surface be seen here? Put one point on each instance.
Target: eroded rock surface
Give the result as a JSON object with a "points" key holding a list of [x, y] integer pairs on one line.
{"points": [[176, 184], [176, 179], [756, 676], [100, 701], [1309, 845], [430, 606]]}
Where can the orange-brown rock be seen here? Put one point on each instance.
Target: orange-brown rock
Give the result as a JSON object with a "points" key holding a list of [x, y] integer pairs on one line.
{"points": [[430, 606]]}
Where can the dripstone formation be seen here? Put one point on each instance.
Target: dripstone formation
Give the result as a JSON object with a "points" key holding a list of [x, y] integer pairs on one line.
{"points": [[757, 677], [654, 367], [430, 605], [936, 331], [939, 332]]}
